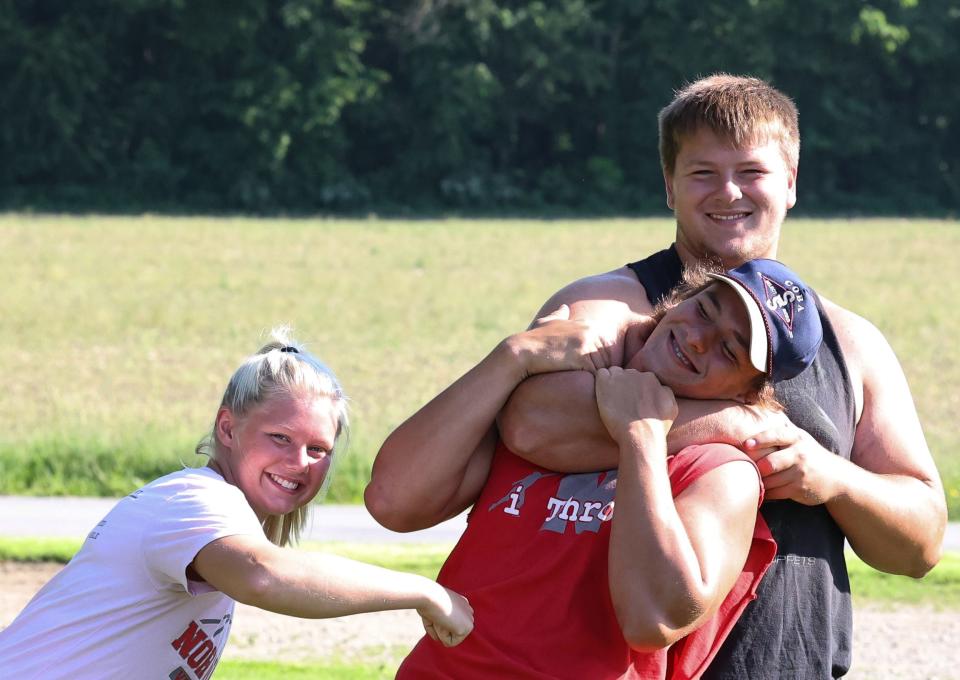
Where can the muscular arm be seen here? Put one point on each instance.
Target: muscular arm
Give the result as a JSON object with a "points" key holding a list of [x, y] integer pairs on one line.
{"points": [[552, 420], [672, 560], [888, 499], [434, 465]]}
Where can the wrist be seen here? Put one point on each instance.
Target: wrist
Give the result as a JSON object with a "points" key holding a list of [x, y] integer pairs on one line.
{"points": [[645, 435], [515, 355], [432, 600]]}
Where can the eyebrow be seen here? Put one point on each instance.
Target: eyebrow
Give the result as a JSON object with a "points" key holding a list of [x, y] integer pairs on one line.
{"points": [[715, 299]]}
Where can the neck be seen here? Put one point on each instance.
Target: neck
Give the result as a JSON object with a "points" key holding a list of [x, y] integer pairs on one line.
{"points": [[690, 257], [635, 336]]}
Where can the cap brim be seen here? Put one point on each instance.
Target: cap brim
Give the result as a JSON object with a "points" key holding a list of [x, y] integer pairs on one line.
{"points": [[758, 328]]}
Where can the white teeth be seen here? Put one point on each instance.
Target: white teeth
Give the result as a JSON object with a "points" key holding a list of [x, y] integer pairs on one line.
{"points": [[683, 359], [729, 218], [286, 484]]}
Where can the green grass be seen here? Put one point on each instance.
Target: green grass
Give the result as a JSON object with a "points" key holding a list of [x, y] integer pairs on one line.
{"points": [[59, 550], [940, 588], [330, 670], [120, 332]]}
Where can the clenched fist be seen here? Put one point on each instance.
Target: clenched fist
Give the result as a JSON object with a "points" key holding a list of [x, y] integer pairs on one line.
{"points": [[629, 399]]}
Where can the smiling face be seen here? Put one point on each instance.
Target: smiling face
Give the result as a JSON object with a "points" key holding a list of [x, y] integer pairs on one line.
{"points": [[700, 348], [279, 453], [729, 201]]}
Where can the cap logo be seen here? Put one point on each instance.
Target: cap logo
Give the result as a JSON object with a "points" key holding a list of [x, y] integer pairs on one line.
{"points": [[784, 300]]}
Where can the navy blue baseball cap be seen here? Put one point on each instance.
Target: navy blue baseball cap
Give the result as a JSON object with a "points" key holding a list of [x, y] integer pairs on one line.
{"points": [[785, 329]]}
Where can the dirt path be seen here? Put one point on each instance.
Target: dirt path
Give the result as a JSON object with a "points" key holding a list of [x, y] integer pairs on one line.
{"points": [[902, 643]]}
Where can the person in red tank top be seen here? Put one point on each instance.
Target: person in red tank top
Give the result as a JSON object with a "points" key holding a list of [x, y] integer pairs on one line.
{"points": [[595, 575]]}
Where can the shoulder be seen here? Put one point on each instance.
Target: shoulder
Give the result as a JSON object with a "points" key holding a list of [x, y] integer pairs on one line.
{"points": [[716, 479], [868, 355], [200, 496], [618, 286], [201, 483], [856, 334], [709, 454], [702, 460]]}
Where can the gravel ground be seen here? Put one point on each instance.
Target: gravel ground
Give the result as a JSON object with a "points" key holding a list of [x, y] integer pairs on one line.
{"points": [[890, 643]]}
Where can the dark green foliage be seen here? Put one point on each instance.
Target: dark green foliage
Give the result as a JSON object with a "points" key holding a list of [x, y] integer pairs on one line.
{"points": [[469, 105]]}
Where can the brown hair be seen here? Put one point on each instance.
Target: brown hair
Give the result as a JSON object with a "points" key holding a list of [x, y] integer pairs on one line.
{"points": [[695, 280], [739, 109]]}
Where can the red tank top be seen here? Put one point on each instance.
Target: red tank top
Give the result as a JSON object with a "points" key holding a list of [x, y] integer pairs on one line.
{"points": [[533, 563]]}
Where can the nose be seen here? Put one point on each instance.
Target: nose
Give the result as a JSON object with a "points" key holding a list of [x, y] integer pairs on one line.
{"points": [[727, 187], [730, 189], [300, 457], [698, 338]]}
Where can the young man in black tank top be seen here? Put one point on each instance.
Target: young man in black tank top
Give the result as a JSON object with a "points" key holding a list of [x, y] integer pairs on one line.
{"points": [[851, 462]]}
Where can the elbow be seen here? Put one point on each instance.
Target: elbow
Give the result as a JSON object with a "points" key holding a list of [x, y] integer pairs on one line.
{"points": [[255, 585], [651, 627], [386, 509], [521, 438], [384, 495], [647, 638], [650, 635], [930, 552], [927, 559], [926, 564]]}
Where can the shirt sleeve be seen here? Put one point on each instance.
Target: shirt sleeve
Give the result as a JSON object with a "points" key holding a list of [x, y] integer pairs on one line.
{"points": [[190, 519]]}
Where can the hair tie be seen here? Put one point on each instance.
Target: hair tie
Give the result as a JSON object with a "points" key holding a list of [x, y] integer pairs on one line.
{"points": [[288, 348]]}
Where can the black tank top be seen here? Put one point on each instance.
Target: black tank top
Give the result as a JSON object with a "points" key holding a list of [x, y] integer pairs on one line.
{"points": [[800, 626]]}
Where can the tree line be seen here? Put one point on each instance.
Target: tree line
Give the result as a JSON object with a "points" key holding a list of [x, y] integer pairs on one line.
{"points": [[476, 106]]}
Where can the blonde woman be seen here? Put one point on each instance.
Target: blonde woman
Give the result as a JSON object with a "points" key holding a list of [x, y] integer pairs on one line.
{"points": [[151, 592]]}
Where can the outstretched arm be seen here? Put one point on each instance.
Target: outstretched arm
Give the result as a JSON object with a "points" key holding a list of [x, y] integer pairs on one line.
{"points": [[888, 499], [252, 570], [434, 464], [672, 560]]}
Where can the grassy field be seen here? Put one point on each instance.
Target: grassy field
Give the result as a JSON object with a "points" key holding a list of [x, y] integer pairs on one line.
{"points": [[119, 333]]}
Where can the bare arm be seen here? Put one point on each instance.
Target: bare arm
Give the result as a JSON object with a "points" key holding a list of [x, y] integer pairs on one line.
{"points": [[888, 499], [552, 420], [434, 465], [672, 560], [252, 570]]}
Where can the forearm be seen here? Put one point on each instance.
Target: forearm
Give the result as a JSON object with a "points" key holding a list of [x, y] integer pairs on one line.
{"points": [[420, 470], [656, 582], [314, 585], [889, 499], [552, 420], [702, 421], [895, 523]]}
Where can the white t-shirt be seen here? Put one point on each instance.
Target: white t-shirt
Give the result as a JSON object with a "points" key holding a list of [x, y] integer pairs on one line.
{"points": [[123, 607]]}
